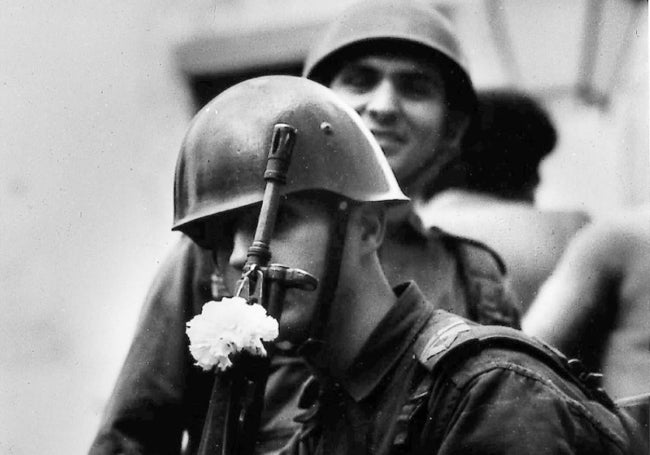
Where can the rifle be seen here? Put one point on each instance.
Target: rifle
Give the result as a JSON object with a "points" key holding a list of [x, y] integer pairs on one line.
{"points": [[237, 397]]}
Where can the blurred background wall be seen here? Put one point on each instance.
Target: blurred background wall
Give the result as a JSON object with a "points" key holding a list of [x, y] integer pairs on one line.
{"points": [[95, 98]]}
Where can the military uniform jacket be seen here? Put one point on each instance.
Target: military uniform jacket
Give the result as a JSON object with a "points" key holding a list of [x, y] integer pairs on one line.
{"points": [[428, 382], [160, 394]]}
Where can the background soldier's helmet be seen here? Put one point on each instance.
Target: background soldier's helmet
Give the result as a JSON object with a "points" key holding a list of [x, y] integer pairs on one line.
{"points": [[223, 156], [399, 26]]}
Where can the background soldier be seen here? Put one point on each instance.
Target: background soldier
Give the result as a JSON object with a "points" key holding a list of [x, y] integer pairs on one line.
{"points": [[393, 375], [401, 67], [419, 124]]}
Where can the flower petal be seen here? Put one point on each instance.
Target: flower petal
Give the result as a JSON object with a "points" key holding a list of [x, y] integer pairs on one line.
{"points": [[227, 327]]}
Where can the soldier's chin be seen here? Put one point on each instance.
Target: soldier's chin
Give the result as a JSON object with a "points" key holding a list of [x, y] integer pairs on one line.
{"points": [[295, 322]]}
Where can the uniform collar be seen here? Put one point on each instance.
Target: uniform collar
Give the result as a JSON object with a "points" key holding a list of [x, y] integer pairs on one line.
{"points": [[388, 342]]}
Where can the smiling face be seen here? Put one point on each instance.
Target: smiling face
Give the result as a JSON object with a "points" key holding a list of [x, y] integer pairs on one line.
{"points": [[401, 99], [300, 241]]}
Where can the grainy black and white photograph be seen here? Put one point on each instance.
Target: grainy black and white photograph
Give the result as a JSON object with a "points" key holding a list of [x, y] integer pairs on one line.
{"points": [[301, 227]]}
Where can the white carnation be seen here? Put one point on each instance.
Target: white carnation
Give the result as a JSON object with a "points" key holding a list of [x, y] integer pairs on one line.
{"points": [[227, 327]]}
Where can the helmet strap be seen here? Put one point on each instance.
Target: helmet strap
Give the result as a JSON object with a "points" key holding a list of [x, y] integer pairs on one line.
{"points": [[426, 175], [419, 178], [313, 347]]}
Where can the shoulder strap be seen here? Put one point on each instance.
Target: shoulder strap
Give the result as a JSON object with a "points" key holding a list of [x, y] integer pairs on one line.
{"points": [[448, 335], [409, 409], [483, 254], [433, 338], [490, 298], [447, 339]]}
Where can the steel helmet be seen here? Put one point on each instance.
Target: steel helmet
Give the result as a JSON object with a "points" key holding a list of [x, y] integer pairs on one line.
{"points": [[380, 25], [223, 156]]}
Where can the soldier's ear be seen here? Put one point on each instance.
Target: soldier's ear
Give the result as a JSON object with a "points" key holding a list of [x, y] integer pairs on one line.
{"points": [[456, 126], [371, 219]]}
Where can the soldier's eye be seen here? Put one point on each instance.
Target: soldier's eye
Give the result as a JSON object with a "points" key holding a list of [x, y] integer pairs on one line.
{"points": [[420, 86], [356, 79], [218, 232]]}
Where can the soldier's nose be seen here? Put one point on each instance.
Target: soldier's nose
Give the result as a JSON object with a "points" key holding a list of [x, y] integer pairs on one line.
{"points": [[241, 242], [383, 102]]}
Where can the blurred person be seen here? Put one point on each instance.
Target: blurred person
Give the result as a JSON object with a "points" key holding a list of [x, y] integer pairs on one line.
{"points": [[400, 66], [492, 198], [596, 304]]}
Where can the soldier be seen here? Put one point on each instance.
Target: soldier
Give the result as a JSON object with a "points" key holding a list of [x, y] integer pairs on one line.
{"points": [[392, 373], [399, 64], [420, 131]]}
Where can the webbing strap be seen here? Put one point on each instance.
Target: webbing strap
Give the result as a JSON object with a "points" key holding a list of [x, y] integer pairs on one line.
{"points": [[329, 282]]}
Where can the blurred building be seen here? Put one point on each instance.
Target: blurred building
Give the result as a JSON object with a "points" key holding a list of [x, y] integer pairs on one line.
{"points": [[96, 97]]}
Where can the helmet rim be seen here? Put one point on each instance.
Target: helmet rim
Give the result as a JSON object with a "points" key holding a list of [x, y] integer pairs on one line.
{"points": [[223, 156]]}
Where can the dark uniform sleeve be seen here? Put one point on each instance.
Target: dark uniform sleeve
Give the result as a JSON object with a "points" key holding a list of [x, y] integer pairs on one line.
{"points": [[152, 403], [511, 404]]}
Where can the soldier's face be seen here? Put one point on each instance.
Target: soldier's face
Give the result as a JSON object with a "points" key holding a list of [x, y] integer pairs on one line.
{"points": [[402, 102], [299, 241]]}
